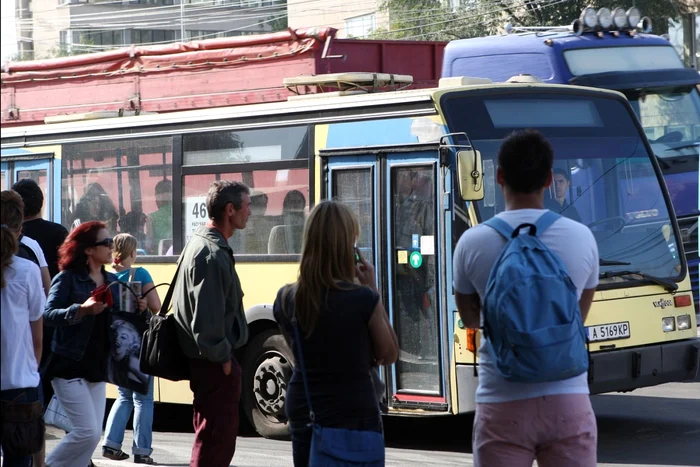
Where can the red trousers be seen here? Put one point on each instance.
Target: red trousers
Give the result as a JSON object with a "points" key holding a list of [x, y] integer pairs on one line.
{"points": [[215, 412]]}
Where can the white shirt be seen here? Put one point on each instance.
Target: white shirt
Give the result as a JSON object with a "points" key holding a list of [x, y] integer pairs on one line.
{"points": [[36, 248], [22, 301], [474, 257]]}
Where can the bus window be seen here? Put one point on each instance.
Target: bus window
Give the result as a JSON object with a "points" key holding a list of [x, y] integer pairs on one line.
{"points": [[604, 174], [279, 204], [124, 183]]}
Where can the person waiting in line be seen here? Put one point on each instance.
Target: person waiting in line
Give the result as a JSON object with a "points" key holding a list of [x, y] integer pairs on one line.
{"points": [[128, 399], [335, 317], [21, 323], [77, 363], [49, 235], [561, 179], [159, 223]]}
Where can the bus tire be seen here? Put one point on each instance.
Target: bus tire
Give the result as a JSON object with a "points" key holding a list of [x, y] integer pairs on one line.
{"points": [[267, 368]]}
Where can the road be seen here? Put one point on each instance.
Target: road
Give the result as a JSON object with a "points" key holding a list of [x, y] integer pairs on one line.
{"points": [[657, 426]]}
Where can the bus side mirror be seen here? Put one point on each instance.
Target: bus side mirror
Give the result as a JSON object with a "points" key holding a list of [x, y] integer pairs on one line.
{"points": [[471, 174]]}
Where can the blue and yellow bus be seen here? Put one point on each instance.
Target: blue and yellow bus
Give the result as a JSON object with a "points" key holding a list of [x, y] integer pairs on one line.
{"points": [[611, 50], [418, 167]]}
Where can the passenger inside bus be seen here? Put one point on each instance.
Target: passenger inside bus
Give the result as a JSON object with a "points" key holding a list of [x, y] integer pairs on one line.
{"points": [[561, 182], [95, 205], [159, 223]]}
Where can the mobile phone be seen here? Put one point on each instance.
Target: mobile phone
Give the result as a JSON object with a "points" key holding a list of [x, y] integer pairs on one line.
{"points": [[357, 256]]}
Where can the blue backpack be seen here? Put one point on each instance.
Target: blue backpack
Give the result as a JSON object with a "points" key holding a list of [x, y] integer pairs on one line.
{"points": [[531, 313]]}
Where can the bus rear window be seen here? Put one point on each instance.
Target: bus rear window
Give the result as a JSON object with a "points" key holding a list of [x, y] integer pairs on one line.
{"points": [[518, 113], [605, 59]]}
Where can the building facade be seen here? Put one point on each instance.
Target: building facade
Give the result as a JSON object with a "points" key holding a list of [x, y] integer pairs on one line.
{"points": [[49, 28], [352, 18]]}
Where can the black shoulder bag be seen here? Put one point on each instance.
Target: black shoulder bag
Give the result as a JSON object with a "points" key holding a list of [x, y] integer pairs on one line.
{"points": [[161, 354]]}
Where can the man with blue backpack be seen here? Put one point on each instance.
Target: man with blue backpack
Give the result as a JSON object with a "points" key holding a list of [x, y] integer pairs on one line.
{"points": [[527, 278]]}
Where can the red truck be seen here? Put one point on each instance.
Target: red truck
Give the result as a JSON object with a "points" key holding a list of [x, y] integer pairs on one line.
{"points": [[201, 74]]}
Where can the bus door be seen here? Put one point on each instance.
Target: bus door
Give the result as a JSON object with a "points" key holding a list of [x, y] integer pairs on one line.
{"points": [[38, 167], [395, 197], [412, 226]]}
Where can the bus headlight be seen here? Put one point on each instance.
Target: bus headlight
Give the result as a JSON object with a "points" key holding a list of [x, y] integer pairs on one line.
{"points": [[590, 17], [605, 19], [668, 324], [619, 18], [634, 16], [683, 322]]}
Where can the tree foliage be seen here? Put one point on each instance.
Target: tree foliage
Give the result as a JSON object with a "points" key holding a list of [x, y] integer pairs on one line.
{"points": [[454, 19]]}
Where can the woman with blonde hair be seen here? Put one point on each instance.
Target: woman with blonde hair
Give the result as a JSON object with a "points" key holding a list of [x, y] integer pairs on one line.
{"points": [[128, 399], [342, 326], [21, 315]]}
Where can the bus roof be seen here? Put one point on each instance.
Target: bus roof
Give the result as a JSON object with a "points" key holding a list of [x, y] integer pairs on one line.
{"points": [[539, 54], [219, 114]]}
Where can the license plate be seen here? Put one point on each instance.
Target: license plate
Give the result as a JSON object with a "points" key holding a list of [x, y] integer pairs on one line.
{"points": [[607, 332]]}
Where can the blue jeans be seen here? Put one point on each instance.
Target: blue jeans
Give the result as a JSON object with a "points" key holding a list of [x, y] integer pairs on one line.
{"points": [[143, 420], [19, 396]]}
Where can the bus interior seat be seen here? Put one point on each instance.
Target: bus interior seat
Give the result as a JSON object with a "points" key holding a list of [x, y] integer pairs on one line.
{"points": [[285, 239], [164, 245]]}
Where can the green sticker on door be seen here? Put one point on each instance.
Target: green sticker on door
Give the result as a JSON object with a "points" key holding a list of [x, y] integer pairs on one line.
{"points": [[416, 259]]}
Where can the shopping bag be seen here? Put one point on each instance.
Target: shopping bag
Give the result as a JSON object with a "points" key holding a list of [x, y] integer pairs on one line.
{"points": [[55, 415]]}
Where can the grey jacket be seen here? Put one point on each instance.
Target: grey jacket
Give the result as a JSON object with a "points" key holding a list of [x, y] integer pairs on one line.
{"points": [[208, 299]]}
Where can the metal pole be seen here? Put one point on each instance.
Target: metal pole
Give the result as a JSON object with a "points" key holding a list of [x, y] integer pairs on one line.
{"points": [[182, 20]]}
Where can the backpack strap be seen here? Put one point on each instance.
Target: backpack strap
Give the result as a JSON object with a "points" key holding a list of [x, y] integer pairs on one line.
{"points": [[545, 221], [500, 226]]}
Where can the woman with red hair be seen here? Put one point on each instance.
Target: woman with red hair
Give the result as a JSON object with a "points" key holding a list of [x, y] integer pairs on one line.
{"points": [[77, 364]]}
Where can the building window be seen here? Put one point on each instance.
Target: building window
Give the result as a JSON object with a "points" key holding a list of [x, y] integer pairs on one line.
{"points": [[360, 26], [145, 36]]}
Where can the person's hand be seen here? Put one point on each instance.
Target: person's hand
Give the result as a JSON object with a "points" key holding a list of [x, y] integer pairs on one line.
{"points": [[365, 273], [143, 304], [91, 307], [226, 367]]}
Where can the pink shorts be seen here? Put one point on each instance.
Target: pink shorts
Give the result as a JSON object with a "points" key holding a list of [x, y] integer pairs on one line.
{"points": [[558, 431]]}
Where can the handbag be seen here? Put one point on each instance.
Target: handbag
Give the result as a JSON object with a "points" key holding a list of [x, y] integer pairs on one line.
{"points": [[55, 415], [126, 331], [161, 354], [23, 428], [339, 447]]}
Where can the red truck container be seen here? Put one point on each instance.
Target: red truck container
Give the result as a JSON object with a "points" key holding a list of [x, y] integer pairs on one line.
{"points": [[201, 74]]}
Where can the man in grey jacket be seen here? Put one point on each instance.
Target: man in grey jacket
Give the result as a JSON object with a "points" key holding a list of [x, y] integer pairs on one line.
{"points": [[208, 304]]}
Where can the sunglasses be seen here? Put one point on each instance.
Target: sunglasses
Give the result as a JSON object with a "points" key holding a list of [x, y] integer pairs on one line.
{"points": [[106, 242]]}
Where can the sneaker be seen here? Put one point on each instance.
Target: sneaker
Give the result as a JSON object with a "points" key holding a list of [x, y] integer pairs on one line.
{"points": [[141, 459], [114, 454]]}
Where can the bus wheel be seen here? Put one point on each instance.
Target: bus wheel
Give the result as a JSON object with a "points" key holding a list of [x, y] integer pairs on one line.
{"points": [[267, 367]]}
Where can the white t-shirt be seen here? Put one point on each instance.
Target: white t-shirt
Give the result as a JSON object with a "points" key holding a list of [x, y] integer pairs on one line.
{"points": [[22, 301], [474, 257], [36, 248]]}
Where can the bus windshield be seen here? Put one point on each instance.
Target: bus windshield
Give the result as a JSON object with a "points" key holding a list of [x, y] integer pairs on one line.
{"points": [[671, 121], [603, 175]]}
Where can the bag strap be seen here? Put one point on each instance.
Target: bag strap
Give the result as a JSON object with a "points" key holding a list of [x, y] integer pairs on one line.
{"points": [[545, 221], [500, 226], [169, 294], [132, 274], [302, 365]]}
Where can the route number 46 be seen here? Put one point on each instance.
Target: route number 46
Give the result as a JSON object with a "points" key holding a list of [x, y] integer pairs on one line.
{"points": [[199, 211]]}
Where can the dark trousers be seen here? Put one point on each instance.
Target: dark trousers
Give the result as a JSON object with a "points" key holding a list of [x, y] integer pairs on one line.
{"points": [[19, 396], [215, 408]]}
